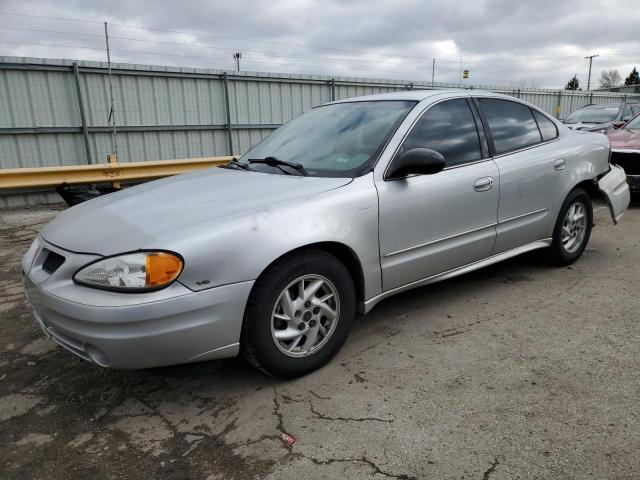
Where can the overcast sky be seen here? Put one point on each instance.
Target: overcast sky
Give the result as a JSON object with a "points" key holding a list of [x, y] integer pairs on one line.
{"points": [[538, 43]]}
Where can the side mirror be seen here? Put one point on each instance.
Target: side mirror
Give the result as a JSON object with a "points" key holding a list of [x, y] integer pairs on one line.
{"points": [[618, 123], [626, 119], [418, 161]]}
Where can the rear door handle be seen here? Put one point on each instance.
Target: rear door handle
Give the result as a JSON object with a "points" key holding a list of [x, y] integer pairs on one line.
{"points": [[559, 164], [483, 184]]}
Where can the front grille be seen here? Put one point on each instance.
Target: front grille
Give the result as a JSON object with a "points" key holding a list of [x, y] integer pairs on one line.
{"points": [[629, 161], [52, 262]]}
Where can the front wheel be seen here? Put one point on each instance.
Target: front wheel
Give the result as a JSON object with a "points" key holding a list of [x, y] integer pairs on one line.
{"points": [[299, 314], [573, 228]]}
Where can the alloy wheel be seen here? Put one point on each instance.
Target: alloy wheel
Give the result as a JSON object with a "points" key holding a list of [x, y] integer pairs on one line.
{"points": [[305, 315], [574, 227]]}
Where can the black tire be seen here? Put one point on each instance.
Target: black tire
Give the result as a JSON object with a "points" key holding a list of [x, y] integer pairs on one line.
{"points": [[557, 253], [257, 343]]}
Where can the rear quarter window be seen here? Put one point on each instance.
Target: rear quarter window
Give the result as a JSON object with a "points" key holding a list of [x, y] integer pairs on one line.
{"points": [[548, 129], [511, 124]]}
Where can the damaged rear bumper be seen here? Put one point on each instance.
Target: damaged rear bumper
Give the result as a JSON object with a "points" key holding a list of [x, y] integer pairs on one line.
{"points": [[615, 189]]}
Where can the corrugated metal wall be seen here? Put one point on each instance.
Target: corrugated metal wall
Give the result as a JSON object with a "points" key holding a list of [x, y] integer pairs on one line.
{"points": [[169, 112]]}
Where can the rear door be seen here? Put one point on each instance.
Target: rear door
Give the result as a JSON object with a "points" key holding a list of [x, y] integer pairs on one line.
{"points": [[531, 168], [433, 223]]}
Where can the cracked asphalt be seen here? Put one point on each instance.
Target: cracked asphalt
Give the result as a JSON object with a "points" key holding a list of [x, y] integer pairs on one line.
{"points": [[519, 370]]}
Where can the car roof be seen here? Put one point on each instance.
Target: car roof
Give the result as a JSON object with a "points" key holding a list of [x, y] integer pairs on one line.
{"points": [[609, 105], [419, 95]]}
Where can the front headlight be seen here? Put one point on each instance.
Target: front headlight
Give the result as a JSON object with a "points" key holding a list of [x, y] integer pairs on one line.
{"points": [[133, 272]]}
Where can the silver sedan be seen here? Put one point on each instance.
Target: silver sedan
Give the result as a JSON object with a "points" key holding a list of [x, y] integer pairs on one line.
{"points": [[273, 255]]}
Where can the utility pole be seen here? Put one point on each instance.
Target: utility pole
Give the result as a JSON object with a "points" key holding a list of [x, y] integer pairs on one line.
{"points": [[237, 56], [590, 57], [433, 71], [112, 110]]}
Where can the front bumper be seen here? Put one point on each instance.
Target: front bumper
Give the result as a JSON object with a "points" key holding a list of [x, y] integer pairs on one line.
{"points": [[171, 326]]}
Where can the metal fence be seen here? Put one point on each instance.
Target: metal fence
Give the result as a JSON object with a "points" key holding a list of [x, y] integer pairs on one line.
{"points": [[55, 112]]}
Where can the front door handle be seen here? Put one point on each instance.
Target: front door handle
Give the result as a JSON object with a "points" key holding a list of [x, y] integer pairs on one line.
{"points": [[559, 164], [483, 184]]}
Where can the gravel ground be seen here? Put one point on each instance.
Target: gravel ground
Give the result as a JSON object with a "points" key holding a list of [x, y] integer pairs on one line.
{"points": [[515, 371]]}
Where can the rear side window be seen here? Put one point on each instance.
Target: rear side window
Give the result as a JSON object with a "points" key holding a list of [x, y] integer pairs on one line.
{"points": [[626, 112], [547, 128], [512, 124], [635, 109], [448, 128]]}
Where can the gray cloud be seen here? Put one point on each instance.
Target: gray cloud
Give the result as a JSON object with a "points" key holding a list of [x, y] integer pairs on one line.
{"points": [[503, 42]]}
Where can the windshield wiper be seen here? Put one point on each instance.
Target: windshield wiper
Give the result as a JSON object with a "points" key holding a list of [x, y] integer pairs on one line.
{"points": [[236, 164], [276, 162]]}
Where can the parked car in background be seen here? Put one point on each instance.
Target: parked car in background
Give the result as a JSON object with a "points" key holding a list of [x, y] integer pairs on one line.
{"points": [[345, 205], [602, 118], [625, 150]]}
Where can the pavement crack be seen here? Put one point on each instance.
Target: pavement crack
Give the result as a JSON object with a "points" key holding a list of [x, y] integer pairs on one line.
{"points": [[322, 416], [319, 397], [277, 412], [155, 410], [261, 438], [280, 425], [364, 460], [491, 469], [452, 333]]}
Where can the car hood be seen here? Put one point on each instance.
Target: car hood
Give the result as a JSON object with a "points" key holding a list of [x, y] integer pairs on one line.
{"points": [[624, 138], [145, 215], [588, 126]]}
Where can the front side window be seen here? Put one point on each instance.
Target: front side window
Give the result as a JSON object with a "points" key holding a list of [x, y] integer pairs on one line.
{"points": [[512, 124], [548, 129], [450, 129], [337, 140]]}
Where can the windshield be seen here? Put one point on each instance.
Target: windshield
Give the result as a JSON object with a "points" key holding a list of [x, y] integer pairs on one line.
{"points": [[634, 124], [593, 115], [338, 140]]}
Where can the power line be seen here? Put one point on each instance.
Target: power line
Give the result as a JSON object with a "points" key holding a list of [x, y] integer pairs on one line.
{"points": [[182, 32], [264, 62], [51, 31], [50, 18], [191, 45], [146, 53], [299, 45], [262, 57], [271, 54]]}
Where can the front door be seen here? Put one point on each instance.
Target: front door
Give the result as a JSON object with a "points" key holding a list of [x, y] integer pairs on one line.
{"points": [[430, 224]]}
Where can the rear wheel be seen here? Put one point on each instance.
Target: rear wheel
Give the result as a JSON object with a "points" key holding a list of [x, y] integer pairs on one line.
{"points": [[299, 314], [573, 228]]}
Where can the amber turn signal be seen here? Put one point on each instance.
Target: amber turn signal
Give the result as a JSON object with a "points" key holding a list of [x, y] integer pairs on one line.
{"points": [[161, 268]]}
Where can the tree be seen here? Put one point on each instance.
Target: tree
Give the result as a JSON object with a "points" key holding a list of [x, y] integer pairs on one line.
{"points": [[573, 84], [633, 78], [609, 78]]}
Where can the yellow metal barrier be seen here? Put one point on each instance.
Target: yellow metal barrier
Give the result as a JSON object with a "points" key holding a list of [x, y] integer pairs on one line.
{"points": [[103, 173]]}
